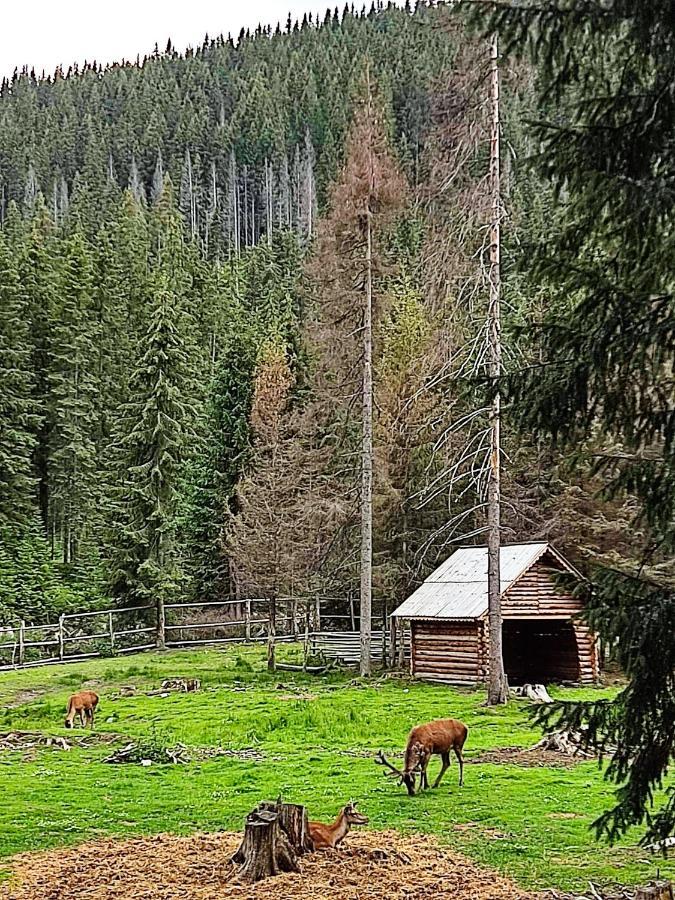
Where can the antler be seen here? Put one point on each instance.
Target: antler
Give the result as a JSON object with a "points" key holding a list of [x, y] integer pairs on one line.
{"points": [[382, 760]]}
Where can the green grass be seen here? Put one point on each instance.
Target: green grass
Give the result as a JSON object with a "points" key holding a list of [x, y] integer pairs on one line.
{"points": [[532, 824]]}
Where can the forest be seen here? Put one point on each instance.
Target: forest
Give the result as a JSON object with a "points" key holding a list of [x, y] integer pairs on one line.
{"points": [[248, 331], [182, 277]]}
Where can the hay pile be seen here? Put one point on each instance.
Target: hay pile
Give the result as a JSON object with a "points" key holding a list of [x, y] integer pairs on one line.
{"points": [[372, 866]]}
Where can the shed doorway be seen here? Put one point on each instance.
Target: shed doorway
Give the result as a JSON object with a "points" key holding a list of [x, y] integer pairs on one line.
{"points": [[540, 651]]}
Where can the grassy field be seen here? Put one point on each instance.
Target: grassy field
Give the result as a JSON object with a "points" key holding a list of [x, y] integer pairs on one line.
{"points": [[530, 823]]}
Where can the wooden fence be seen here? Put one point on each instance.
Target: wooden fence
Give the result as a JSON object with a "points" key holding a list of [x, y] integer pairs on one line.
{"points": [[113, 632]]}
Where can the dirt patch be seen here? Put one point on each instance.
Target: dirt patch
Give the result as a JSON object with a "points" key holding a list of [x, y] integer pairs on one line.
{"points": [[24, 697], [372, 866], [518, 756]]}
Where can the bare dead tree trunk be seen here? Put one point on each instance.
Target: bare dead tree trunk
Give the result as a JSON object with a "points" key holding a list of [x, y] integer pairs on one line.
{"points": [[367, 464], [367, 428], [497, 683]]}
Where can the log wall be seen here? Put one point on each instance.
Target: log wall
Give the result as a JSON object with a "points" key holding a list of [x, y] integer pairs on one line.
{"points": [[447, 651]]}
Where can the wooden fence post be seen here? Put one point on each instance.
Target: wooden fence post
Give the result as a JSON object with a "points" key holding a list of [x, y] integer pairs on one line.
{"points": [[22, 642], [392, 642], [317, 614], [62, 639], [401, 644], [306, 638], [161, 624], [247, 621], [111, 632]]}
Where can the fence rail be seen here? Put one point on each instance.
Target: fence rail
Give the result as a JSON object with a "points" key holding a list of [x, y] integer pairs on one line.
{"points": [[110, 632]]}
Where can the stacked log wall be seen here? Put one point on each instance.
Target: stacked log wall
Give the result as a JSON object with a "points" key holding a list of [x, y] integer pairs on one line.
{"points": [[447, 651]]}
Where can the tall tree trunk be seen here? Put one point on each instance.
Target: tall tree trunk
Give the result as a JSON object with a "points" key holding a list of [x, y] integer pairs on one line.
{"points": [[367, 463], [497, 683], [367, 427]]}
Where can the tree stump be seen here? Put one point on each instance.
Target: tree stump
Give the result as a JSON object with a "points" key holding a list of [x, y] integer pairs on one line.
{"points": [[657, 890], [275, 835]]}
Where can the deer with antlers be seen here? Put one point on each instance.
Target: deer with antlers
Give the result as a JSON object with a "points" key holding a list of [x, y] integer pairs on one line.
{"points": [[424, 741]]}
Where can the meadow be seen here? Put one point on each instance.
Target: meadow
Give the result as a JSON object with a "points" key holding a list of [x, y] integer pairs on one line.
{"points": [[316, 736]]}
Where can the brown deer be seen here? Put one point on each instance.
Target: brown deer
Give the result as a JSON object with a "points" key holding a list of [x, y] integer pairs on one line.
{"points": [[83, 705], [425, 741], [325, 837]]}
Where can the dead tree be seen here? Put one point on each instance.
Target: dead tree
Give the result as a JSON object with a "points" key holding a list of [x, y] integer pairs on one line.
{"points": [[498, 689], [275, 835]]}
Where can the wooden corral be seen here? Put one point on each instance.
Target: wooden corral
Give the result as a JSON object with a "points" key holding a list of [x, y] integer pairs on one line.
{"points": [[543, 639]]}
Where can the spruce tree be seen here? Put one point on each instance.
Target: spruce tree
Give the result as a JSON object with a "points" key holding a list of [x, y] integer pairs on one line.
{"points": [[157, 436]]}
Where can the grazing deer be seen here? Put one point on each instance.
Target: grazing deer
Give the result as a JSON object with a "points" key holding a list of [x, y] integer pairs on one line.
{"points": [[83, 704], [325, 837], [424, 741]]}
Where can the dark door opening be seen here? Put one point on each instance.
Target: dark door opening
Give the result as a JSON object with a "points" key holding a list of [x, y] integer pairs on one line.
{"points": [[539, 651]]}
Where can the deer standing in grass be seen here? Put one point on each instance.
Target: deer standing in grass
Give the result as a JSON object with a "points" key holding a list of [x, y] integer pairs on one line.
{"points": [[83, 705], [325, 837], [424, 741]]}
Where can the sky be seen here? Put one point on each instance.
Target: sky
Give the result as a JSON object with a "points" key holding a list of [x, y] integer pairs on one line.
{"points": [[46, 33]]}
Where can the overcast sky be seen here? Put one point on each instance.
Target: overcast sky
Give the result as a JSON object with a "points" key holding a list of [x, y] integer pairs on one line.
{"points": [[45, 33]]}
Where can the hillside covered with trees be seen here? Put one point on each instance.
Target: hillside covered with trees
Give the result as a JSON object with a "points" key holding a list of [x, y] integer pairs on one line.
{"points": [[182, 257]]}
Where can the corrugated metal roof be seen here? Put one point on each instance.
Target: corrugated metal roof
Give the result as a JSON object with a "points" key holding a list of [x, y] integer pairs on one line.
{"points": [[457, 589]]}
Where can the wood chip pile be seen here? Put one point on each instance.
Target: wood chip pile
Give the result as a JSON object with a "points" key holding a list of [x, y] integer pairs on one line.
{"points": [[372, 866]]}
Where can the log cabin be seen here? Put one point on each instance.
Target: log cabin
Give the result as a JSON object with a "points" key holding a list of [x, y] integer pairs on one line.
{"points": [[543, 640]]}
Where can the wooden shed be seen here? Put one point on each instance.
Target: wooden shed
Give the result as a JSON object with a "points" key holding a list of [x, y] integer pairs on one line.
{"points": [[543, 641]]}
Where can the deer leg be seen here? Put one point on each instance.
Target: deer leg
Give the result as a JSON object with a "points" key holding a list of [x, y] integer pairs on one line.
{"points": [[445, 757], [460, 760], [81, 717], [424, 781]]}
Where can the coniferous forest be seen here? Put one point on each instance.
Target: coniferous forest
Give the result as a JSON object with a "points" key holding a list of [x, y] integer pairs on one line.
{"points": [[207, 256], [179, 232]]}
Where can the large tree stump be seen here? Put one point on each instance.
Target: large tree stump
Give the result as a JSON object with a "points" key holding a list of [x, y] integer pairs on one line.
{"points": [[275, 835]]}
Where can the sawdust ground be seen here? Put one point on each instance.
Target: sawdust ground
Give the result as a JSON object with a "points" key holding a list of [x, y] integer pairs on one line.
{"points": [[371, 866]]}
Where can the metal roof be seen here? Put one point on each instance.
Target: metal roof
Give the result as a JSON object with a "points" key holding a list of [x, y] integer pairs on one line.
{"points": [[457, 589]]}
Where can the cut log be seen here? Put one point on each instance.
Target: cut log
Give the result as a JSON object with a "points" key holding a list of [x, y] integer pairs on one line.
{"points": [[537, 693]]}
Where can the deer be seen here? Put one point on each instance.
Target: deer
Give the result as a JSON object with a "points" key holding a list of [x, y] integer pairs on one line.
{"points": [[326, 837], [82, 704], [424, 741]]}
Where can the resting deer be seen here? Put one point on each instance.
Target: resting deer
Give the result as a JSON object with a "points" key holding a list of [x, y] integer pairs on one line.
{"points": [[425, 741], [328, 836], [83, 704]]}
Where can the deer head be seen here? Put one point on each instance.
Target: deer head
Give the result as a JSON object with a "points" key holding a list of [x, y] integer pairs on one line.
{"points": [[405, 777], [353, 816]]}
